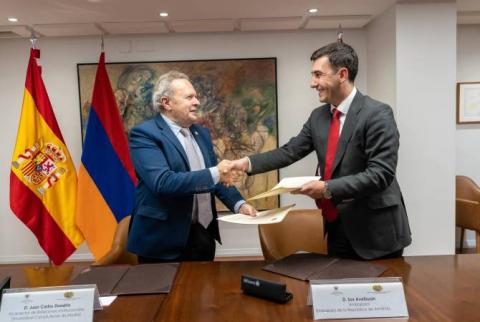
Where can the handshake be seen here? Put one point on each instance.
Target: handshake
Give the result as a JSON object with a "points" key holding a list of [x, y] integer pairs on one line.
{"points": [[232, 171]]}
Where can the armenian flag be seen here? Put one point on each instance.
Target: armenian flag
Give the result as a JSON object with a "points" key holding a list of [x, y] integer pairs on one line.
{"points": [[43, 181], [106, 178]]}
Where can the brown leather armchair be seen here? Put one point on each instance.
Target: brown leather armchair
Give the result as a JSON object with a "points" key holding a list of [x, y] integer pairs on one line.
{"points": [[118, 254], [301, 230], [467, 208]]}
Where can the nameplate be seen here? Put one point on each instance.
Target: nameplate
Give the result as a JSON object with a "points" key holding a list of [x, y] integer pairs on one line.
{"points": [[358, 298], [52, 304]]}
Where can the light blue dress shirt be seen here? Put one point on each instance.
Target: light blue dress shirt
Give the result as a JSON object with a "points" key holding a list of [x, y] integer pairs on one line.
{"points": [[213, 170]]}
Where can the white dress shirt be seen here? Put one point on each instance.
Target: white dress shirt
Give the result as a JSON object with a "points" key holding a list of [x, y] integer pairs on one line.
{"points": [[344, 106]]}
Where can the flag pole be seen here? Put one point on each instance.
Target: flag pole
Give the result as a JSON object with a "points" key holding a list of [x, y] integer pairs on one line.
{"points": [[102, 44], [33, 39], [339, 34]]}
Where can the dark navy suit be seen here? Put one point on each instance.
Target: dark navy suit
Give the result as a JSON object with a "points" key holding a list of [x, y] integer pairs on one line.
{"points": [[162, 215]]}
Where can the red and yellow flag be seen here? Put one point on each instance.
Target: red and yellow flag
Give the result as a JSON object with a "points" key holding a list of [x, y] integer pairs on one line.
{"points": [[43, 181]]}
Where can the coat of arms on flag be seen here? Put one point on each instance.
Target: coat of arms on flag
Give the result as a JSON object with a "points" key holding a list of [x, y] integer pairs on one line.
{"points": [[41, 165]]}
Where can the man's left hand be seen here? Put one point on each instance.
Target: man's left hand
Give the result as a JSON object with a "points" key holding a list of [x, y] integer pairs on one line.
{"points": [[247, 209], [314, 189]]}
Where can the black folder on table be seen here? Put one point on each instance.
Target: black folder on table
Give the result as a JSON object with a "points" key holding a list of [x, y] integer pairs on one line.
{"points": [[4, 284], [129, 280], [309, 266]]}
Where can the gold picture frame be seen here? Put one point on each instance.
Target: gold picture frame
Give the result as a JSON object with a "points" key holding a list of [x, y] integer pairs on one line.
{"points": [[468, 103]]}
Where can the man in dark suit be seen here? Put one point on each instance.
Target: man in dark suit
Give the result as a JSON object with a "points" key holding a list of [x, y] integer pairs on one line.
{"points": [[174, 217], [356, 141]]}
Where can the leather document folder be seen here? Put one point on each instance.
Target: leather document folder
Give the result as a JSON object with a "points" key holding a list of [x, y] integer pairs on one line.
{"points": [[4, 284], [309, 266], [129, 280]]}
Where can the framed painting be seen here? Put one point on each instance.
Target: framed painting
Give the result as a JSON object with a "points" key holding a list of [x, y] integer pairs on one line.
{"points": [[238, 100], [468, 103]]}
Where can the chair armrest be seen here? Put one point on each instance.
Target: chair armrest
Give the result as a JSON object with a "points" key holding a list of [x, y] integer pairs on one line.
{"points": [[467, 214]]}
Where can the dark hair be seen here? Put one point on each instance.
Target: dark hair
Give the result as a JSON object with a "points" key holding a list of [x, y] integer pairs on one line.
{"points": [[339, 55]]}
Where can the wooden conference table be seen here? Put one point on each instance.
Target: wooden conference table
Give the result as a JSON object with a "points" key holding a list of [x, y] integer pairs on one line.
{"points": [[438, 288]]}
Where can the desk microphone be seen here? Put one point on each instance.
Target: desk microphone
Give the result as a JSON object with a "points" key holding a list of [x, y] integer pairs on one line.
{"points": [[265, 289]]}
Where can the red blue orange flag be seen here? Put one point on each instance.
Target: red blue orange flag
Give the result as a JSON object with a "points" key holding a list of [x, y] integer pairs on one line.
{"points": [[43, 181], [106, 178]]}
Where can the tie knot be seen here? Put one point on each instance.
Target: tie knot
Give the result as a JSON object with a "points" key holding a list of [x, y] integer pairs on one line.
{"points": [[337, 113], [185, 132]]}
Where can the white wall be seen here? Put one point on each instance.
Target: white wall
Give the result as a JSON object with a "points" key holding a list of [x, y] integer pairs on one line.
{"points": [[411, 66], [467, 138], [468, 70], [381, 58], [426, 76], [59, 59]]}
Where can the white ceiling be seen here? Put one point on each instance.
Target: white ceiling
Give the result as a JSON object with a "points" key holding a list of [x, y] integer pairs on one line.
{"points": [[52, 18]]}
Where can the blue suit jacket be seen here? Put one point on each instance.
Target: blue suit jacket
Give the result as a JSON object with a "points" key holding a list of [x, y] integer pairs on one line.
{"points": [[164, 197]]}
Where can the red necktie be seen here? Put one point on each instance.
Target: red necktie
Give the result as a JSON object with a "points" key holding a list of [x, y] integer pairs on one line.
{"points": [[329, 210]]}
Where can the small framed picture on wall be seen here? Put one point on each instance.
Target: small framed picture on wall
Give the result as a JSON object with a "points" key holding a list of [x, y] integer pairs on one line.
{"points": [[468, 103]]}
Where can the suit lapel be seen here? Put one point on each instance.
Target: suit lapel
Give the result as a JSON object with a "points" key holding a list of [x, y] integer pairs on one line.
{"points": [[325, 117], [167, 132], [348, 127]]}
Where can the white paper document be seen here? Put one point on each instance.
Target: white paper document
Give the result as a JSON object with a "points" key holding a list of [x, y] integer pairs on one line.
{"points": [[286, 185], [271, 216], [107, 300]]}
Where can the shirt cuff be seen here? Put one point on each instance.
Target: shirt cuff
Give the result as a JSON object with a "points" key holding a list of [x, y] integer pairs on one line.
{"points": [[238, 205], [249, 165], [215, 174]]}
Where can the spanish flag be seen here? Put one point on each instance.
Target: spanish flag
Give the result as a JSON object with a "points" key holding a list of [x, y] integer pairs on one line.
{"points": [[106, 178], [43, 181]]}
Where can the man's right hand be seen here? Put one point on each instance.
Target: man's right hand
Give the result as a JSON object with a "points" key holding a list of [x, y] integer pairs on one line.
{"points": [[228, 174]]}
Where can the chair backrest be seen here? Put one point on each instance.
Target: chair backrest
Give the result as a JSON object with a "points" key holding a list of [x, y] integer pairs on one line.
{"points": [[467, 203], [467, 214], [301, 230], [119, 254], [466, 188]]}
